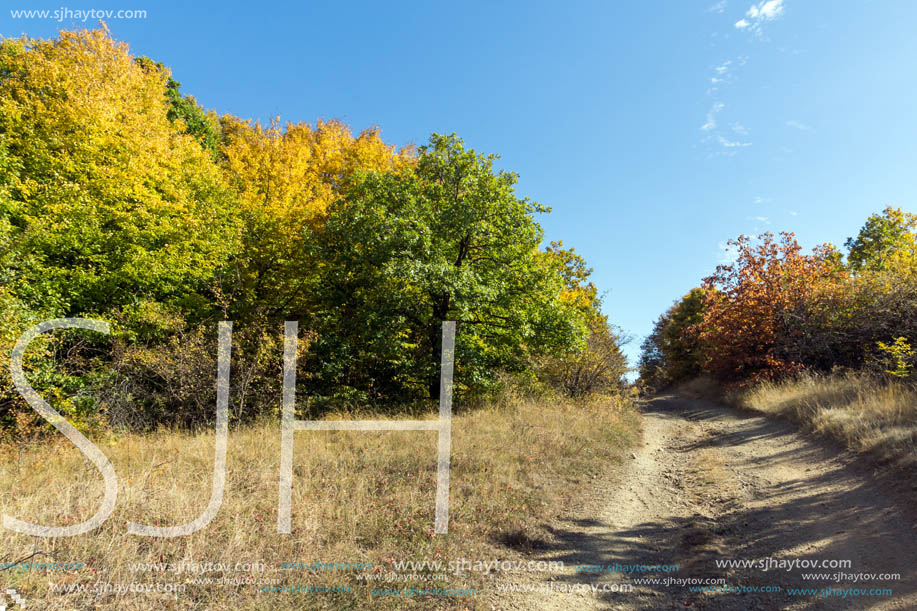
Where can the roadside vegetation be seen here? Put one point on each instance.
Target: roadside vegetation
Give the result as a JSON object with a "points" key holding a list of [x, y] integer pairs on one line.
{"points": [[864, 412], [825, 338]]}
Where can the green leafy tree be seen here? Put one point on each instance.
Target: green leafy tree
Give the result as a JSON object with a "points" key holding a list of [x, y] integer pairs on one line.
{"points": [[679, 337], [285, 177], [652, 360], [195, 120], [883, 295], [447, 240], [672, 352], [598, 368], [887, 240]]}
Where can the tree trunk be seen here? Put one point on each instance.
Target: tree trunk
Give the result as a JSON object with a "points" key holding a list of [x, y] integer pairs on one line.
{"points": [[440, 312]]}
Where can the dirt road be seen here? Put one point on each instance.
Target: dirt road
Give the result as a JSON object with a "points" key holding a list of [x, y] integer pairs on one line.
{"points": [[711, 484]]}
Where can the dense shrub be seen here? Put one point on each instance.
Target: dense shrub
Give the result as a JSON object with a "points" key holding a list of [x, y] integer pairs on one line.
{"points": [[597, 370], [672, 352], [775, 311]]}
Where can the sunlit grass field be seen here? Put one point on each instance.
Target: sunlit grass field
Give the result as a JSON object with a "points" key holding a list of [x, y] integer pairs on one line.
{"points": [[357, 497]]}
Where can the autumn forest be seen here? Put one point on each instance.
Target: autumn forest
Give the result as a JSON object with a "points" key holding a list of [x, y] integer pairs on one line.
{"points": [[121, 199]]}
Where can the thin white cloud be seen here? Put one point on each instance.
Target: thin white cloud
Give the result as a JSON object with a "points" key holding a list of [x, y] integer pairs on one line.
{"points": [[761, 200], [721, 73], [719, 7], [759, 14], [767, 10], [793, 213], [727, 147], [763, 219], [800, 126], [731, 144], [711, 117]]}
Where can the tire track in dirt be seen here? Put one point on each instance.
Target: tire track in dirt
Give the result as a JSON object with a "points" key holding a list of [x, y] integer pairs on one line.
{"points": [[709, 483]]}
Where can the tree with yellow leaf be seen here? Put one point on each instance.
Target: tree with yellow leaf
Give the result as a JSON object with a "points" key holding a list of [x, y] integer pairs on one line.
{"points": [[107, 202], [285, 178], [109, 208]]}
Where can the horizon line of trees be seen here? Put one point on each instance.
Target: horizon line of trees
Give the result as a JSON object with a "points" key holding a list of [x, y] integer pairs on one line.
{"points": [[122, 199], [776, 311]]}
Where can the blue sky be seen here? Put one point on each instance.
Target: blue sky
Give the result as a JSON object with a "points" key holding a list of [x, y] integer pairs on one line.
{"points": [[655, 130]]}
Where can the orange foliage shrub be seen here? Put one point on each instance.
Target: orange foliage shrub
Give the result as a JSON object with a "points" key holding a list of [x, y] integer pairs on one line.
{"points": [[767, 312]]}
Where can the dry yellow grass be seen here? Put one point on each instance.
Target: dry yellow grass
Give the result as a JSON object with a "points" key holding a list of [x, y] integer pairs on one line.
{"points": [[864, 413], [357, 497]]}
